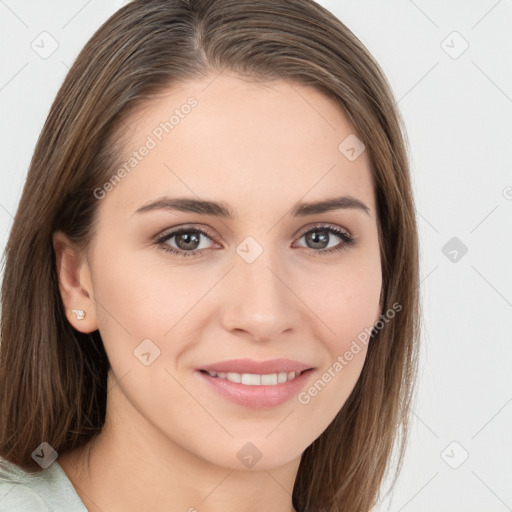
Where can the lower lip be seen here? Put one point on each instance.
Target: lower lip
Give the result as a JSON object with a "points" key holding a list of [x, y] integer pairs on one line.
{"points": [[257, 396]]}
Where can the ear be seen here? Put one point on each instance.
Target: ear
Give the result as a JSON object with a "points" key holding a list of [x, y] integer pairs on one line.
{"points": [[75, 284]]}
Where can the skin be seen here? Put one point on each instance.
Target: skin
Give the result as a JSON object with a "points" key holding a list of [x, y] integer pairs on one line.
{"points": [[169, 441]]}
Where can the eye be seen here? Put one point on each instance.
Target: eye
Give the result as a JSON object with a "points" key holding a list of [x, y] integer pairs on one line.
{"points": [[192, 241], [324, 238], [186, 241]]}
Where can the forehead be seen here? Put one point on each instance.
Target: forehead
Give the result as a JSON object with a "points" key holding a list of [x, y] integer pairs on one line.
{"points": [[227, 138]]}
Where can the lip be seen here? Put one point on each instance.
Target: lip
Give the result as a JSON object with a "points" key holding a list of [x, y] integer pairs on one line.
{"points": [[258, 397], [258, 367]]}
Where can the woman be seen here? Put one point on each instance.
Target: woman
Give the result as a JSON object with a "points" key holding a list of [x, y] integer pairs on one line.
{"points": [[210, 293]]}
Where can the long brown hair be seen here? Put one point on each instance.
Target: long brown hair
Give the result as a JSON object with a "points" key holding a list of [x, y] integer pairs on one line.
{"points": [[52, 377]]}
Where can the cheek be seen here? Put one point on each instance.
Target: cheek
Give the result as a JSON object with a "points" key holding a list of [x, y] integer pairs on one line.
{"points": [[350, 314], [143, 297], [345, 300]]}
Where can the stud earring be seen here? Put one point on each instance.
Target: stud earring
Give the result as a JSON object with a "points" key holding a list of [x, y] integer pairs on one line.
{"points": [[79, 313]]}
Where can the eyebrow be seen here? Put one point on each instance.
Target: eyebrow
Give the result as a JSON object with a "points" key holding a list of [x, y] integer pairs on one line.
{"points": [[221, 209], [327, 205]]}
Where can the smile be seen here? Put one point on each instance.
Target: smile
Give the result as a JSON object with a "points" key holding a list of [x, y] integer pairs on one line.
{"points": [[255, 379]]}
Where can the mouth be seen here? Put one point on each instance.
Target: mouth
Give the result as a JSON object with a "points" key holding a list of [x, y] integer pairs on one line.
{"points": [[256, 384], [256, 379]]}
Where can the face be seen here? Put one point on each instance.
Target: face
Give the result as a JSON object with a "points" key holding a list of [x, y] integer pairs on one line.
{"points": [[256, 275]]}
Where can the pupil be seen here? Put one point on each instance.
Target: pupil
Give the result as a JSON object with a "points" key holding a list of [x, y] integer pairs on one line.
{"points": [[190, 241], [319, 239]]}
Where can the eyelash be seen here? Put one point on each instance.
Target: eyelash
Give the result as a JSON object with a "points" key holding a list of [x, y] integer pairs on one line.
{"points": [[347, 240]]}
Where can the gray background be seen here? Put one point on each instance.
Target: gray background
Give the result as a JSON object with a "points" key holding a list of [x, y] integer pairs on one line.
{"points": [[457, 106]]}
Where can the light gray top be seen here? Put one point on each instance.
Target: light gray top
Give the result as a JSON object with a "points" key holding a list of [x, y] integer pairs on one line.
{"points": [[47, 491]]}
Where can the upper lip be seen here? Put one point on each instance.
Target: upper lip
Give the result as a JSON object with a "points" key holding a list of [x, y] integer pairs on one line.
{"points": [[257, 367]]}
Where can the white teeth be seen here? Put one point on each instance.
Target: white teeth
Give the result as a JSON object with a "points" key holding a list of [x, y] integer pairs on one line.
{"points": [[270, 380], [234, 377], [252, 379]]}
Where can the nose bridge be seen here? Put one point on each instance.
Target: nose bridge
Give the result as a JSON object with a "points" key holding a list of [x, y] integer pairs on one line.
{"points": [[262, 304]]}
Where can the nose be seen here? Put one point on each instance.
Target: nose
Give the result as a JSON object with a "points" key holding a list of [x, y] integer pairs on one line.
{"points": [[259, 300]]}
